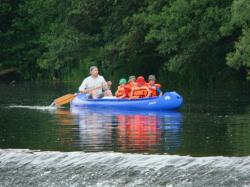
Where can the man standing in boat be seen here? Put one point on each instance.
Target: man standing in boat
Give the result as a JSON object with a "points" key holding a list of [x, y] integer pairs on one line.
{"points": [[95, 85]]}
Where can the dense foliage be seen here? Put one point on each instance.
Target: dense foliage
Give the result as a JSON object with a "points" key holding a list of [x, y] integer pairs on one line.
{"points": [[187, 39]]}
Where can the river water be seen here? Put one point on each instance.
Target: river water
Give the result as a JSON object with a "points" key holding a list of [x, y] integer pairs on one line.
{"points": [[205, 143]]}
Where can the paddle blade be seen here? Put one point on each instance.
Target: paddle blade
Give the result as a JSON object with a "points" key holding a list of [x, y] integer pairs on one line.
{"points": [[64, 99]]}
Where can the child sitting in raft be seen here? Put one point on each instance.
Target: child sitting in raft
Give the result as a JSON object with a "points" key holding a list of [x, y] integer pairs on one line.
{"points": [[154, 88], [131, 83], [140, 90], [121, 90]]}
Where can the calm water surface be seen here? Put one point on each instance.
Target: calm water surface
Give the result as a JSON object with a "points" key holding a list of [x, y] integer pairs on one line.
{"points": [[211, 122]]}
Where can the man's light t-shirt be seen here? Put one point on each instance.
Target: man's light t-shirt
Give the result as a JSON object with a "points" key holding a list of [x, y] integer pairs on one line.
{"points": [[91, 83]]}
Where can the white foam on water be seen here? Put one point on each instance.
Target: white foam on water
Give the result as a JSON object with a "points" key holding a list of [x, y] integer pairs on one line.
{"points": [[50, 107], [35, 168]]}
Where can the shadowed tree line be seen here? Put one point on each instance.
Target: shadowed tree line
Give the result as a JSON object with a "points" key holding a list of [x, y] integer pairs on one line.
{"points": [[184, 40]]}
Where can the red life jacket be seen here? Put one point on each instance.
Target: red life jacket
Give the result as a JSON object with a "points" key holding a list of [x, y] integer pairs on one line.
{"points": [[140, 92], [121, 91]]}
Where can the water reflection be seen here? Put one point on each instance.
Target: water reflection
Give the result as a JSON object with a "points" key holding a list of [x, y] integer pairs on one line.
{"points": [[137, 132], [66, 132], [118, 130]]}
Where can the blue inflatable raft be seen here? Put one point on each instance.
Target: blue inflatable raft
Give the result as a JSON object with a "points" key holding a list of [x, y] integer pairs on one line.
{"points": [[168, 101]]}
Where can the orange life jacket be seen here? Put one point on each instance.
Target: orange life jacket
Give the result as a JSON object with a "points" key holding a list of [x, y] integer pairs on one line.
{"points": [[128, 88], [130, 85], [153, 91], [121, 91], [140, 92], [157, 85]]}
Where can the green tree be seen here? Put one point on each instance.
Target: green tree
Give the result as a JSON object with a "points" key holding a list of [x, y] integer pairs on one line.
{"points": [[187, 40], [8, 12], [240, 22], [188, 36]]}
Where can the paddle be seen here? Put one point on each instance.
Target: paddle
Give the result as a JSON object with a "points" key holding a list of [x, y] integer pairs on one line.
{"points": [[64, 99], [69, 97]]}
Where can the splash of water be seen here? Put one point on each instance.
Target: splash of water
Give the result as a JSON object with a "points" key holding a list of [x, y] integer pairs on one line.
{"points": [[34, 168], [49, 108]]}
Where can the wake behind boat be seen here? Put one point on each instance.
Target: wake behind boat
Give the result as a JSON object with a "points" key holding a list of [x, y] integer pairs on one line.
{"points": [[168, 101]]}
